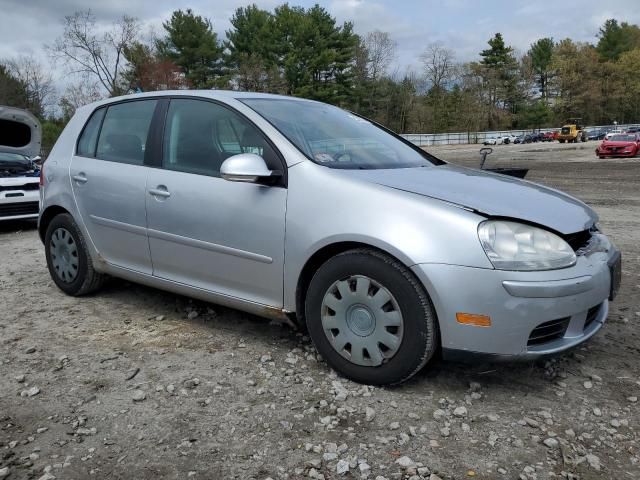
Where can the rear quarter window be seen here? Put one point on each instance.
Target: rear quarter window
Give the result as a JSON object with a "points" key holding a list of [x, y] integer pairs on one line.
{"points": [[89, 136]]}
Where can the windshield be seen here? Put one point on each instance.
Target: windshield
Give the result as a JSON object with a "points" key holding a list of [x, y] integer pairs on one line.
{"points": [[622, 138], [335, 138], [12, 157]]}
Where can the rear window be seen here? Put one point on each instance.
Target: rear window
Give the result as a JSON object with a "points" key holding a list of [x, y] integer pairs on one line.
{"points": [[123, 136]]}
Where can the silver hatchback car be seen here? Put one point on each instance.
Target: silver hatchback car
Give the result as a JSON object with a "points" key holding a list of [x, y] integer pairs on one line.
{"points": [[299, 210]]}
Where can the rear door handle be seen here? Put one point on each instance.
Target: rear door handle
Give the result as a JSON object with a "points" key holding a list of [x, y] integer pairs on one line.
{"points": [[160, 191], [80, 178]]}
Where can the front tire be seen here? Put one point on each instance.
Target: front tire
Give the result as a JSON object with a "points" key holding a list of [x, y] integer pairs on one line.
{"points": [[69, 263], [370, 318]]}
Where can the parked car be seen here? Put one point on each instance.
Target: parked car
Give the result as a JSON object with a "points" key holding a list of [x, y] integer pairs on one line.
{"points": [[493, 141], [294, 209], [619, 145], [507, 139], [548, 136], [20, 135], [610, 133], [633, 130], [596, 134]]}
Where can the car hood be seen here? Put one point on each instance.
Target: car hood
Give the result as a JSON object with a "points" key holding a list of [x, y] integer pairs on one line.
{"points": [[488, 193]]}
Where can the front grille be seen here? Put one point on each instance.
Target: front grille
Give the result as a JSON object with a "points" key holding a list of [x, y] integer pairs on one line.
{"points": [[26, 186], [548, 331], [592, 314], [578, 240], [24, 208]]}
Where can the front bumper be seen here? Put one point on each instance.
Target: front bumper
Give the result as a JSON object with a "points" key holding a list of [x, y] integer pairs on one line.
{"points": [[518, 303], [17, 204]]}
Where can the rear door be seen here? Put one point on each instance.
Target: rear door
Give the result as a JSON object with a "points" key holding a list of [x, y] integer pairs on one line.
{"points": [[108, 178], [207, 232]]}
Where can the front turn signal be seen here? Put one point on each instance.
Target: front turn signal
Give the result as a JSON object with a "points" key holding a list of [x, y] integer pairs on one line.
{"points": [[473, 319]]}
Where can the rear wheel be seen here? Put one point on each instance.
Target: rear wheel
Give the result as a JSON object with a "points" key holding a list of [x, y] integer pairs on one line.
{"points": [[370, 318], [69, 263]]}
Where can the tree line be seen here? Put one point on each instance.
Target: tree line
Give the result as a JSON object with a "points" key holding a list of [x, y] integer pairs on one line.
{"points": [[305, 52]]}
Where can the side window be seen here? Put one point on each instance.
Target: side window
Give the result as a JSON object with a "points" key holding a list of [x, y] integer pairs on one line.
{"points": [[124, 132], [200, 135], [89, 135]]}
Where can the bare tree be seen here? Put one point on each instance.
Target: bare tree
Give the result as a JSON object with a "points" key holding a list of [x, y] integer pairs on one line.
{"points": [[99, 56], [37, 81], [439, 63], [78, 95], [381, 50]]}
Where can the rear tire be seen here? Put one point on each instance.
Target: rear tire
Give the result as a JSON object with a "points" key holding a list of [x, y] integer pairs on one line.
{"points": [[69, 263], [386, 343]]}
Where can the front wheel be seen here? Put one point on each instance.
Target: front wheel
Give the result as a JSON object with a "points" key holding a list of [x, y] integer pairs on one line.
{"points": [[68, 260], [370, 318]]}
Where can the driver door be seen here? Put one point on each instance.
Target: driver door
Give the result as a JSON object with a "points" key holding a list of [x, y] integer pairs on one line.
{"points": [[207, 232]]}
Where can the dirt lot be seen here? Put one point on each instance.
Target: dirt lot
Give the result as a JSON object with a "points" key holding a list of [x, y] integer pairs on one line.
{"points": [[138, 383]]}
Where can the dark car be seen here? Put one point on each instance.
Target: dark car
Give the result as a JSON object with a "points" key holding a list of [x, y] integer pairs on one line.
{"points": [[597, 134]]}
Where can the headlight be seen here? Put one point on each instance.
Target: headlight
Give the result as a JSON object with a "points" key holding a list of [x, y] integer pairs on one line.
{"points": [[517, 246]]}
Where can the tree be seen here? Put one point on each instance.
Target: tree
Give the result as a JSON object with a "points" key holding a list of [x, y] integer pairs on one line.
{"points": [[498, 68], [439, 63], [37, 82], [13, 92], [381, 51], [615, 39], [77, 95], [193, 46], [147, 71], [541, 55], [97, 57]]}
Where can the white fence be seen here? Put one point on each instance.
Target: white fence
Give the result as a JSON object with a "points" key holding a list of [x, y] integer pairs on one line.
{"points": [[423, 139]]}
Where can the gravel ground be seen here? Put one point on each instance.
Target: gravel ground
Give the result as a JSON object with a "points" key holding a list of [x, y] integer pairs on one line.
{"points": [[137, 383]]}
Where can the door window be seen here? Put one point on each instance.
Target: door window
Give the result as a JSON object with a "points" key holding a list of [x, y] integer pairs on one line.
{"points": [[200, 135], [124, 132]]}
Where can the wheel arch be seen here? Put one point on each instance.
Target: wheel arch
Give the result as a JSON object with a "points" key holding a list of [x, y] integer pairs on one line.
{"points": [[45, 218], [323, 254]]}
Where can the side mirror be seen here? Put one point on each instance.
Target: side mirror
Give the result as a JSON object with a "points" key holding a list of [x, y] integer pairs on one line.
{"points": [[248, 168], [37, 159]]}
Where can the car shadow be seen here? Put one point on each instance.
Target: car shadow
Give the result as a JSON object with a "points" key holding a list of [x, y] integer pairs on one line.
{"points": [[13, 226]]}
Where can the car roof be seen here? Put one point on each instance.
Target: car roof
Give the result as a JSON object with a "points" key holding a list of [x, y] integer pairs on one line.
{"points": [[213, 94]]}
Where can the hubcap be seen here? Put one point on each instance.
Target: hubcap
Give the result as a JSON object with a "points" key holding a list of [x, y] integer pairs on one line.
{"points": [[64, 255], [362, 320]]}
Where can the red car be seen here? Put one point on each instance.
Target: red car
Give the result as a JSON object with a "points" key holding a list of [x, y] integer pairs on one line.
{"points": [[619, 145]]}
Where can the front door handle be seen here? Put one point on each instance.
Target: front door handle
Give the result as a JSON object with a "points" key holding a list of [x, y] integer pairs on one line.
{"points": [[80, 178], [160, 191]]}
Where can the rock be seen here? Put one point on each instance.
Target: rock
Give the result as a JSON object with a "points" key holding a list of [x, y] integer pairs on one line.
{"points": [[364, 467], [405, 462], [170, 388], [460, 412], [502, 471], [439, 414], [33, 391], [445, 432], [369, 414], [342, 467], [433, 476], [597, 412], [30, 350], [192, 314], [47, 476], [531, 422], [329, 456], [139, 396], [19, 378], [192, 383], [265, 358], [493, 417], [588, 384], [551, 442], [42, 430], [4, 472], [596, 378], [632, 399], [615, 423], [394, 426], [593, 461], [86, 431]]}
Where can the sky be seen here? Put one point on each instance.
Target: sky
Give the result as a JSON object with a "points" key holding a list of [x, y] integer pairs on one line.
{"points": [[462, 25]]}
